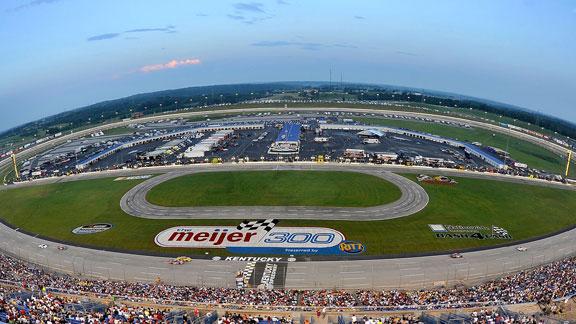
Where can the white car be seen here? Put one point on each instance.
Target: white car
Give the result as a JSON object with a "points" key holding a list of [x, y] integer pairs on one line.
{"points": [[521, 249], [42, 246]]}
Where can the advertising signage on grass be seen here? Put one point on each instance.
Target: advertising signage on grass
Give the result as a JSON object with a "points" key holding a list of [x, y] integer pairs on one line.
{"points": [[476, 232], [92, 228], [260, 237]]}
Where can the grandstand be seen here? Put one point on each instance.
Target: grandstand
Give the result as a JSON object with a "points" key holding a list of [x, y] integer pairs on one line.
{"points": [[288, 140]]}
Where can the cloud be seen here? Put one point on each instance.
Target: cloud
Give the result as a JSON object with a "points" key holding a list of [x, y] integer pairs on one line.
{"points": [[248, 20], [167, 29], [309, 46], [169, 65], [406, 53], [32, 3], [255, 7], [102, 37], [170, 29], [359, 17], [236, 17], [254, 20], [344, 46]]}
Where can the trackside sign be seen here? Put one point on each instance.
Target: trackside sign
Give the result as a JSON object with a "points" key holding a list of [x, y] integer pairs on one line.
{"points": [[255, 237]]}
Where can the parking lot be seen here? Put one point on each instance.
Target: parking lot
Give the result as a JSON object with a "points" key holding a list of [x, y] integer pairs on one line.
{"points": [[248, 145]]}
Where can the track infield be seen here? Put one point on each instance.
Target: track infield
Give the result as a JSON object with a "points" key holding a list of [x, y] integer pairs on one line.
{"points": [[274, 188], [525, 211]]}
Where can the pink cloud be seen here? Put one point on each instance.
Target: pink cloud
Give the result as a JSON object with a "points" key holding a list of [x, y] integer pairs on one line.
{"points": [[170, 65]]}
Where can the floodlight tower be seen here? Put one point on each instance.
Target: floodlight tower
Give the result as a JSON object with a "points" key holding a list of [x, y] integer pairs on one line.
{"points": [[568, 163], [15, 167]]}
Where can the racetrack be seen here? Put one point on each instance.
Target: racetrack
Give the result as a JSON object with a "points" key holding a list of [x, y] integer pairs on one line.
{"points": [[412, 272], [414, 198]]}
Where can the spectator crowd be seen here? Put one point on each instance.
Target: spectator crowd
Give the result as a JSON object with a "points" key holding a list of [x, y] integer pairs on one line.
{"points": [[541, 284]]}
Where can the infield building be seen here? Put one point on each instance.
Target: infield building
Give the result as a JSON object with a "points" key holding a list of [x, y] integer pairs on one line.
{"points": [[288, 140]]}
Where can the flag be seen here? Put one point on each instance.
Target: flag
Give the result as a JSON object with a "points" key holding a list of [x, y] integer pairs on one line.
{"points": [[266, 224]]}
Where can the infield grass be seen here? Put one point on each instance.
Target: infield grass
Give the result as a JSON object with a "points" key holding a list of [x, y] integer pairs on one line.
{"points": [[525, 211], [275, 188]]}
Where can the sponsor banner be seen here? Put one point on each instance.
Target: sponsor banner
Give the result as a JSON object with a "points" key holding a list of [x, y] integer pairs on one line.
{"points": [[252, 259], [260, 237], [230, 236], [92, 228], [477, 232], [345, 247], [269, 275], [140, 177], [352, 247], [279, 250]]}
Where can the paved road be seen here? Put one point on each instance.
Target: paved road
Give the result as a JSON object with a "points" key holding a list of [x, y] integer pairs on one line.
{"points": [[414, 198]]}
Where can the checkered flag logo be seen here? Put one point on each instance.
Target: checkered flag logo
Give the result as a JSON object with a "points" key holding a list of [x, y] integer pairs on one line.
{"points": [[266, 224], [499, 231]]}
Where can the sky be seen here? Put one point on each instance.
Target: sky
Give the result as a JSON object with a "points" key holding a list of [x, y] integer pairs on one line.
{"points": [[57, 55]]}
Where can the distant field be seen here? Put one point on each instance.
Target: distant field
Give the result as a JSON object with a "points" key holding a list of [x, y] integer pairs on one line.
{"points": [[275, 188], [526, 211], [532, 154], [119, 131]]}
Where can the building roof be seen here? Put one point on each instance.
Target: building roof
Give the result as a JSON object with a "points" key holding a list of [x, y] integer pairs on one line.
{"points": [[290, 133], [494, 161], [100, 155], [372, 132]]}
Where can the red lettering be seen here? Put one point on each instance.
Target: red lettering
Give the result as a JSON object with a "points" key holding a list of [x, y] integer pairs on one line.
{"points": [[201, 237], [221, 238], [248, 236], [179, 236], [235, 237]]}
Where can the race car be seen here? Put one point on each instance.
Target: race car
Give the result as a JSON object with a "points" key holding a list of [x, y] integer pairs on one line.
{"points": [[180, 260], [456, 256]]}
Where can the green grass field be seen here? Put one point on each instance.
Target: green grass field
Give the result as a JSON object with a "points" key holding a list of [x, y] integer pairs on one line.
{"points": [[275, 188], [534, 155], [120, 131], [526, 211]]}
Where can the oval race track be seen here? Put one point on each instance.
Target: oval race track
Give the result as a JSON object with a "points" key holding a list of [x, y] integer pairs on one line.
{"points": [[413, 272], [414, 198], [409, 272]]}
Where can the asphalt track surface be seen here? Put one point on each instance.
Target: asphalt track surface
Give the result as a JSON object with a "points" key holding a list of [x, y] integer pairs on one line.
{"points": [[413, 199], [404, 273]]}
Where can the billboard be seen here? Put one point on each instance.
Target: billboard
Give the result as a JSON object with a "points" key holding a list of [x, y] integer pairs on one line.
{"points": [[261, 237]]}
